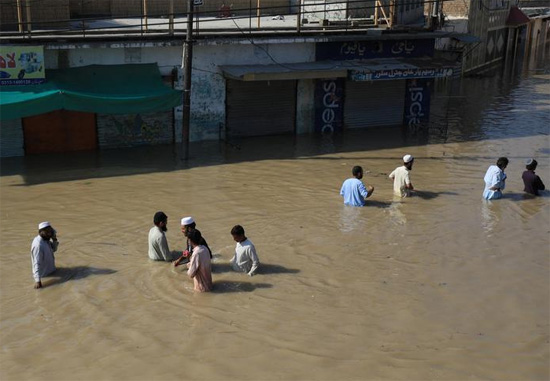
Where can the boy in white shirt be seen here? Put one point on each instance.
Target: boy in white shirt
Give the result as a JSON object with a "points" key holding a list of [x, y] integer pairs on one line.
{"points": [[245, 258]]}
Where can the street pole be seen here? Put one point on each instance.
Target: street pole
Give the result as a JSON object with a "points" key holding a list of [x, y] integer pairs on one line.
{"points": [[187, 62]]}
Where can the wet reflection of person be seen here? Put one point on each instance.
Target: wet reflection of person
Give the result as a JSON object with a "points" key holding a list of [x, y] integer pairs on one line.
{"points": [[187, 225], [353, 190], [42, 249], [532, 182], [245, 258], [199, 266]]}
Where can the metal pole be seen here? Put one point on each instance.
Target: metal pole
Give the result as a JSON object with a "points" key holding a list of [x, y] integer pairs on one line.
{"points": [[19, 17], [299, 17], [187, 63], [145, 14], [376, 6], [28, 6], [258, 13], [171, 19]]}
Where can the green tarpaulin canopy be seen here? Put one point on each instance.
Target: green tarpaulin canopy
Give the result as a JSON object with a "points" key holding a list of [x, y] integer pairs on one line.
{"points": [[103, 89]]}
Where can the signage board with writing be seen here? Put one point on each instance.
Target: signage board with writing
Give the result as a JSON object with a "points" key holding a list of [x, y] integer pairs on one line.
{"points": [[21, 65], [417, 102], [329, 105], [389, 74], [197, 2], [356, 50]]}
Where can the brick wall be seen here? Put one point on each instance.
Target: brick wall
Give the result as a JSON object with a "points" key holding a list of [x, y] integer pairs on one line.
{"points": [[457, 8]]}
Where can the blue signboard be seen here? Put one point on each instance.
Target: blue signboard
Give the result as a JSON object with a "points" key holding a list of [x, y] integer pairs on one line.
{"points": [[417, 102], [329, 105], [380, 75], [356, 50]]}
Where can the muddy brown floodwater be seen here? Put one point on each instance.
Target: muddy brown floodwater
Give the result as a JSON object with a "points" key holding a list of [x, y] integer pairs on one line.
{"points": [[440, 286]]}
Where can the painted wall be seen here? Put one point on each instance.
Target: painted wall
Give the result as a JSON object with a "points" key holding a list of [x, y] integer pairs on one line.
{"points": [[305, 106], [208, 83], [167, 57]]}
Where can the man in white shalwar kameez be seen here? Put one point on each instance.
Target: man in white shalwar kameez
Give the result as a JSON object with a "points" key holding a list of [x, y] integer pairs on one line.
{"points": [[42, 249]]}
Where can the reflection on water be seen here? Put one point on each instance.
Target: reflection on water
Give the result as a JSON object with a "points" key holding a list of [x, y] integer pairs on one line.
{"points": [[490, 213], [438, 286]]}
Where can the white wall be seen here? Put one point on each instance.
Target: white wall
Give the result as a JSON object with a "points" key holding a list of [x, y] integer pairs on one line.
{"points": [[208, 84]]}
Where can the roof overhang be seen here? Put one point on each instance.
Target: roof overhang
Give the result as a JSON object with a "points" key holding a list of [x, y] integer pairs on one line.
{"points": [[105, 89], [355, 70], [516, 17]]}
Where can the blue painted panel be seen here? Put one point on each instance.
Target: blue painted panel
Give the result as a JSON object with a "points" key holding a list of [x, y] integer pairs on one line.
{"points": [[329, 105], [417, 102], [354, 50]]}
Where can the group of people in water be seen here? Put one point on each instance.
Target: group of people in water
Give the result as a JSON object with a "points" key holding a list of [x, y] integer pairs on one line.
{"points": [[196, 256], [355, 192]]}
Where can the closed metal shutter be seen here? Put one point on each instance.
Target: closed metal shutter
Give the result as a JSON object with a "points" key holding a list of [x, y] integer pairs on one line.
{"points": [[374, 104], [260, 107], [11, 138]]}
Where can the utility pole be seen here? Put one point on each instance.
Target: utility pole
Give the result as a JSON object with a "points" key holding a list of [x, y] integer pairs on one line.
{"points": [[187, 62]]}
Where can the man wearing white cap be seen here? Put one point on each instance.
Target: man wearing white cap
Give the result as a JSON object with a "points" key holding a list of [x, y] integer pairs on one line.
{"points": [[533, 183], [42, 249], [188, 224], [402, 185]]}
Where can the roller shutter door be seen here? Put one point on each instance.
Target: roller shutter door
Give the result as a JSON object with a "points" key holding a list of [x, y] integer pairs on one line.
{"points": [[11, 138], [374, 104], [260, 107]]}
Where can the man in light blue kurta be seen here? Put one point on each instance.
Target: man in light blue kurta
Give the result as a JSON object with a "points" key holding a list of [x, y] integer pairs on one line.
{"points": [[353, 190], [495, 180]]}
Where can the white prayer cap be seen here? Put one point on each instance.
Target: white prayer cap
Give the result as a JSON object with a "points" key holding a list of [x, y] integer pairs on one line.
{"points": [[43, 225], [408, 158], [187, 221], [529, 161]]}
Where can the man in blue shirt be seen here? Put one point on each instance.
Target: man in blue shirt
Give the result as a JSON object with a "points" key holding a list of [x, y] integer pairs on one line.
{"points": [[353, 190]]}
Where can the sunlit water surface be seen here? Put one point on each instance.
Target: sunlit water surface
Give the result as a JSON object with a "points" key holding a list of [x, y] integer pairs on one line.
{"points": [[441, 286]]}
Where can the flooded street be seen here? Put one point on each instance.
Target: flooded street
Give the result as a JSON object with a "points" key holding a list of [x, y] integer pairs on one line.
{"points": [[440, 286]]}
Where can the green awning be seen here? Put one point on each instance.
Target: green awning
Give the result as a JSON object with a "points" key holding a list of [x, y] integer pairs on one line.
{"points": [[103, 89]]}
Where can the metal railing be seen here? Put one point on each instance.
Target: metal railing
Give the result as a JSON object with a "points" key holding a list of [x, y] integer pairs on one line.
{"points": [[307, 16]]}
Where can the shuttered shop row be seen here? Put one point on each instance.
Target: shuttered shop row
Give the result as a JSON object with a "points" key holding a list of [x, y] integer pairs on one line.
{"points": [[269, 107], [374, 104], [260, 107]]}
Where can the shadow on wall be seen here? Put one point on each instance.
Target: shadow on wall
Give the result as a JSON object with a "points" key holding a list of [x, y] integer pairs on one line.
{"points": [[65, 274]]}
